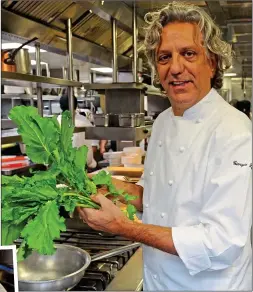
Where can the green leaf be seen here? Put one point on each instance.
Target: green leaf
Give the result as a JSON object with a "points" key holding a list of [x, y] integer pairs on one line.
{"points": [[11, 232], [69, 203], [128, 197], [44, 228], [39, 134], [23, 251], [46, 177], [112, 189], [80, 157], [67, 129], [6, 192], [102, 178], [90, 187], [39, 193], [56, 124], [131, 211], [13, 180], [18, 214]]}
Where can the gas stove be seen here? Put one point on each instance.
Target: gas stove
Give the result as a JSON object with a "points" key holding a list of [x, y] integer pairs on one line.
{"points": [[115, 273]]}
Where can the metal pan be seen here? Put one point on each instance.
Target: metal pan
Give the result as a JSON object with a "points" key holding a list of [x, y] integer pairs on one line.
{"points": [[62, 270]]}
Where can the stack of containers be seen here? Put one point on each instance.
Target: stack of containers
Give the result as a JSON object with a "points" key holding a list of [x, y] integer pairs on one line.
{"points": [[132, 157], [114, 158]]}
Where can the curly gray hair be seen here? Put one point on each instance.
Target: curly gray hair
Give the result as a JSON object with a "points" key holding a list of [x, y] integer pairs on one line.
{"points": [[181, 12]]}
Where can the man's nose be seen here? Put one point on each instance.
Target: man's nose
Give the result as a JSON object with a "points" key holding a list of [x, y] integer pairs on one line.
{"points": [[177, 65]]}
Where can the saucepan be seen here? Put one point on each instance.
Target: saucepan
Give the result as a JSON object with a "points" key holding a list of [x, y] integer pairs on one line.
{"points": [[8, 57], [61, 271]]}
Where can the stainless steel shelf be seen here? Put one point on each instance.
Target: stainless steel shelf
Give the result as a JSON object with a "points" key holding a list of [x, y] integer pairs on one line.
{"points": [[118, 133], [157, 93], [104, 86], [7, 124], [93, 133], [10, 136], [27, 80], [151, 90]]}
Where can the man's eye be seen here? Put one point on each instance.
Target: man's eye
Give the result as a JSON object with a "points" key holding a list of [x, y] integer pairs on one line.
{"points": [[163, 58], [189, 54]]}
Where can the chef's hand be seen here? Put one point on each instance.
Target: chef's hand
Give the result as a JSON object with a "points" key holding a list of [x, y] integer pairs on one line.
{"points": [[108, 219]]}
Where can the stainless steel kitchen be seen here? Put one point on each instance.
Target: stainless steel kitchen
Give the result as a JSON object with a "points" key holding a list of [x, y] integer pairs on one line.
{"points": [[126, 144]]}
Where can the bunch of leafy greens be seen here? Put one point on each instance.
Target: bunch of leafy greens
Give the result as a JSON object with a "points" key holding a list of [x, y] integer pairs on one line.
{"points": [[30, 205]]}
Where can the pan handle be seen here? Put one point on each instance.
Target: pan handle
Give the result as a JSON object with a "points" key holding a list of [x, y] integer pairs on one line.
{"points": [[114, 252]]}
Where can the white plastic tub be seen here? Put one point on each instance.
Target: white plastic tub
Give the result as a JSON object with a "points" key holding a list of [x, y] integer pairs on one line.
{"points": [[114, 158], [112, 155], [137, 150], [131, 158]]}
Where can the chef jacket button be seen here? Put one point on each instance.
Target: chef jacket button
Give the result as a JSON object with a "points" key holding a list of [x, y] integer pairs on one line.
{"points": [[160, 143], [146, 205], [151, 173], [182, 149], [198, 121], [162, 215], [170, 182], [155, 276]]}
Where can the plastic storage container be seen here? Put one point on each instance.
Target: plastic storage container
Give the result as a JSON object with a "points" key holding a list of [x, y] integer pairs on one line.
{"points": [[133, 150], [114, 158], [131, 159]]}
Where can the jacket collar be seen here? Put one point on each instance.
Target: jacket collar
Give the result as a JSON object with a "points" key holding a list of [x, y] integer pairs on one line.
{"points": [[203, 108]]}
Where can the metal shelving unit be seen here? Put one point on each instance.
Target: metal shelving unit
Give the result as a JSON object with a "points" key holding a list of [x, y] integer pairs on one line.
{"points": [[39, 82], [93, 133], [118, 133], [105, 86], [28, 80]]}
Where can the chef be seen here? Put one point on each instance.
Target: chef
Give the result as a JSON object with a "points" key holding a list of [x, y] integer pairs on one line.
{"points": [[196, 190]]}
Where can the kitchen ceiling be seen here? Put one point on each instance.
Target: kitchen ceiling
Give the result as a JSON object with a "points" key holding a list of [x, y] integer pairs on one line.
{"points": [[92, 26]]}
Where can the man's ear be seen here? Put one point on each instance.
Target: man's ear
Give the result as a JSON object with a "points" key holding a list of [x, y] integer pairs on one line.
{"points": [[213, 64]]}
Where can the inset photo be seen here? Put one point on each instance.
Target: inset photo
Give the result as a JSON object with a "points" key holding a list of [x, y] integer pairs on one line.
{"points": [[8, 269]]}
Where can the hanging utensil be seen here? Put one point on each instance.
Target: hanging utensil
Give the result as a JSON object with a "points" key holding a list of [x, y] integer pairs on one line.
{"points": [[11, 53]]}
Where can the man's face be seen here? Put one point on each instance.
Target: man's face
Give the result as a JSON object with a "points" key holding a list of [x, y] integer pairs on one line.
{"points": [[183, 67]]}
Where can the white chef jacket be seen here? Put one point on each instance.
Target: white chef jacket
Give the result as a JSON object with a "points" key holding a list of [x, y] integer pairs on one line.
{"points": [[2, 289], [197, 180], [79, 138]]}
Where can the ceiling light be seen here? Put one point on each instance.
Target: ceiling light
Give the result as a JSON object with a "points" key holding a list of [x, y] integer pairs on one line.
{"points": [[33, 62], [229, 74], [102, 2], [103, 69], [7, 46], [33, 50]]}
